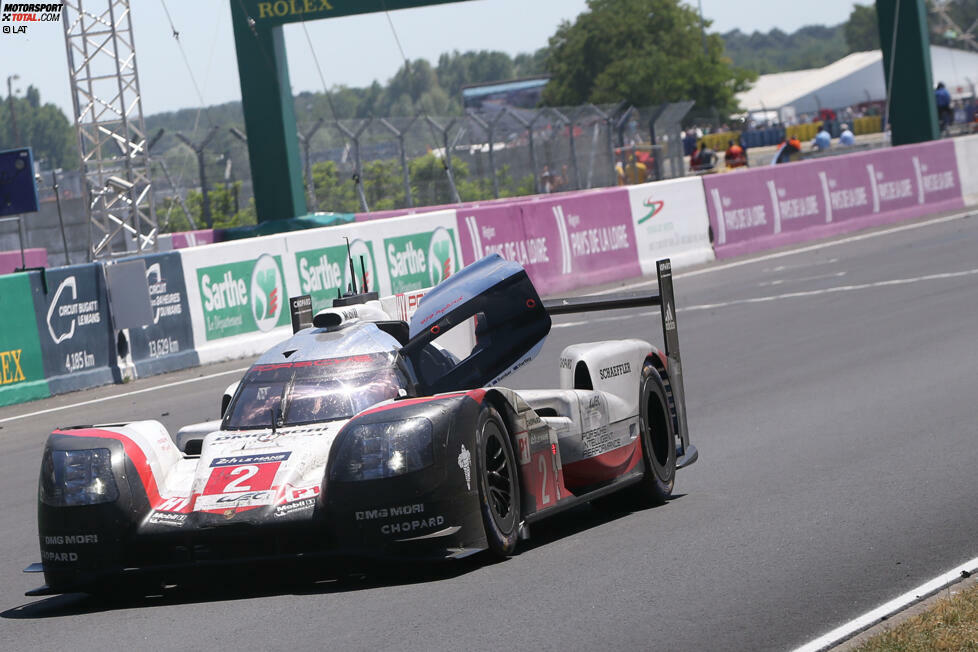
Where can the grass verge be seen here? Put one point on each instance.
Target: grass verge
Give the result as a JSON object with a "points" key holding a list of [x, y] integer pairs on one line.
{"points": [[951, 623]]}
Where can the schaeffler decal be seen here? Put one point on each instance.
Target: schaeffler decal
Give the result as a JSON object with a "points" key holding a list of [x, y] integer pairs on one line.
{"points": [[465, 463]]}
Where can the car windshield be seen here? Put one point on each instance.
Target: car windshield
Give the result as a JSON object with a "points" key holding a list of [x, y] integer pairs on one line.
{"points": [[304, 392]]}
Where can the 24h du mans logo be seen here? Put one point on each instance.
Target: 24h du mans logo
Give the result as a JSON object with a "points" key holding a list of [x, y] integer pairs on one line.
{"points": [[441, 263], [267, 292]]}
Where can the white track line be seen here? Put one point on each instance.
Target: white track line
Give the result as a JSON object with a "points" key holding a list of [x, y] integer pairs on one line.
{"points": [[792, 252], [127, 394], [875, 616], [788, 295]]}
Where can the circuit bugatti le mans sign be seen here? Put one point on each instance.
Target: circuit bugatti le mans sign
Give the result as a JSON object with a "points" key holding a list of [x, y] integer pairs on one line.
{"points": [[276, 12]]}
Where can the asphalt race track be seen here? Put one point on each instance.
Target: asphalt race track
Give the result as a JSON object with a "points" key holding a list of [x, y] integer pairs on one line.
{"points": [[832, 393]]}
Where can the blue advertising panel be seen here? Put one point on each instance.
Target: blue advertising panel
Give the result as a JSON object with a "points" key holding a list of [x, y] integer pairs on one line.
{"points": [[72, 314], [166, 343], [18, 190]]}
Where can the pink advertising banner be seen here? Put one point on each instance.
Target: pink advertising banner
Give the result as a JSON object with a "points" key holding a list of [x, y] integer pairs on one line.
{"points": [[786, 204], [564, 242], [10, 260]]}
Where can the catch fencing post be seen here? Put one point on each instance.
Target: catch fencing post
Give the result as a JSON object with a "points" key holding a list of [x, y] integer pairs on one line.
{"points": [[305, 139], [490, 129], [199, 151], [358, 170], [399, 133], [447, 161]]}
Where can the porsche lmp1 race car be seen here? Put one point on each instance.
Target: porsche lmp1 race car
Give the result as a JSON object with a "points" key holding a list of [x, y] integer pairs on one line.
{"points": [[368, 436]]}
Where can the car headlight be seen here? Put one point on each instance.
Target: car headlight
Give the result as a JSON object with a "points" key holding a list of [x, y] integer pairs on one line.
{"points": [[80, 477], [383, 450]]}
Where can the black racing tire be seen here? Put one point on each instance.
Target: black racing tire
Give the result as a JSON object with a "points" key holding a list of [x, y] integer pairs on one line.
{"points": [[498, 482], [658, 439]]}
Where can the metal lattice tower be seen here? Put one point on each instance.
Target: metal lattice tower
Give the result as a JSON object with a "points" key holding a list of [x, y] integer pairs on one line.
{"points": [[109, 123], [946, 27]]}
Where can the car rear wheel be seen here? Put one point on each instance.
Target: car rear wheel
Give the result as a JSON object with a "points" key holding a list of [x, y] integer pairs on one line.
{"points": [[658, 440], [499, 489]]}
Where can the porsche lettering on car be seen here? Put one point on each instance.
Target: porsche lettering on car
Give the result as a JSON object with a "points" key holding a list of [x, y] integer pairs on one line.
{"points": [[383, 429]]}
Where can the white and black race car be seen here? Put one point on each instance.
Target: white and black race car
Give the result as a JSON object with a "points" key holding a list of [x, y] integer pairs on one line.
{"points": [[366, 435]]}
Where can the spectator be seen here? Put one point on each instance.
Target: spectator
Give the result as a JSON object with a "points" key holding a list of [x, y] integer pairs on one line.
{"points": [[703, 159], [689, 142], [546, 180], [786, 149], [735, 156], [823, 139], [846, 138], [945, 116]]}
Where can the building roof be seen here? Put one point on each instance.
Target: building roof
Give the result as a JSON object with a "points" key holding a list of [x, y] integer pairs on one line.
{"points": [[854, 79]]}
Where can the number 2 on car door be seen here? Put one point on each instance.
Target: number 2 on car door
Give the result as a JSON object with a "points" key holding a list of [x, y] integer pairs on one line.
{"points": [[542, 465]]}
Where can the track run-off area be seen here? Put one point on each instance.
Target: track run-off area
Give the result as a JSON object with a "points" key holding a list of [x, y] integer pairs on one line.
{"points": [[831, 392]]}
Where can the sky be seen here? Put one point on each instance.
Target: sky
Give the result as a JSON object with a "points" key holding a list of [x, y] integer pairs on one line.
{"points": [[352, 51]]}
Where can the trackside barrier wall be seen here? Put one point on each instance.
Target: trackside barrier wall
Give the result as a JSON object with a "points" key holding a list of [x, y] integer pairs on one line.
{"points": [[238, 291], [775, 206], [21, 360], [167, 343], [400, 255], [238, 296], [966, 151], [74, 327], [584, 239]]}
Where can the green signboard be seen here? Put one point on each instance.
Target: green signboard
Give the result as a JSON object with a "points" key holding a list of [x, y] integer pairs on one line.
{"points": [[325, 272], [21, 364], [421, 260], [266, 92], [243, 297], [277, 12]]}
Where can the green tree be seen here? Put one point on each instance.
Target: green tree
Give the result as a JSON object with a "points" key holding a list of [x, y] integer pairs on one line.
{"points": [[42, 127], [172, 219], [641, 51], [861, 30]]}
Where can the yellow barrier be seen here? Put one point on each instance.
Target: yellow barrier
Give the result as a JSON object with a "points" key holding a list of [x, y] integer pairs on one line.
{"points": [[868, 125], [719, 142], [804, 132]]}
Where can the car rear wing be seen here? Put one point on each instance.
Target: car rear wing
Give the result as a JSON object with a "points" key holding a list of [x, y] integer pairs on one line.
{"points": [[666, 300]]}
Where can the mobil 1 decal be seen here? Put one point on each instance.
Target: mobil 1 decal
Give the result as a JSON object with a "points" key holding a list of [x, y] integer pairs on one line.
{"points": [[170, 332], [243, 297], [323, 272], [421, 260], [76, 332]]}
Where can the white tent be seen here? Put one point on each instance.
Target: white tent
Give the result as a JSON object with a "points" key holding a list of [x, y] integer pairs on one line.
{"points": [[852, 80]]}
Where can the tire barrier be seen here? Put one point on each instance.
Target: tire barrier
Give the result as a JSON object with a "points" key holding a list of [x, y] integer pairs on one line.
{"points": [[229, 300]]}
